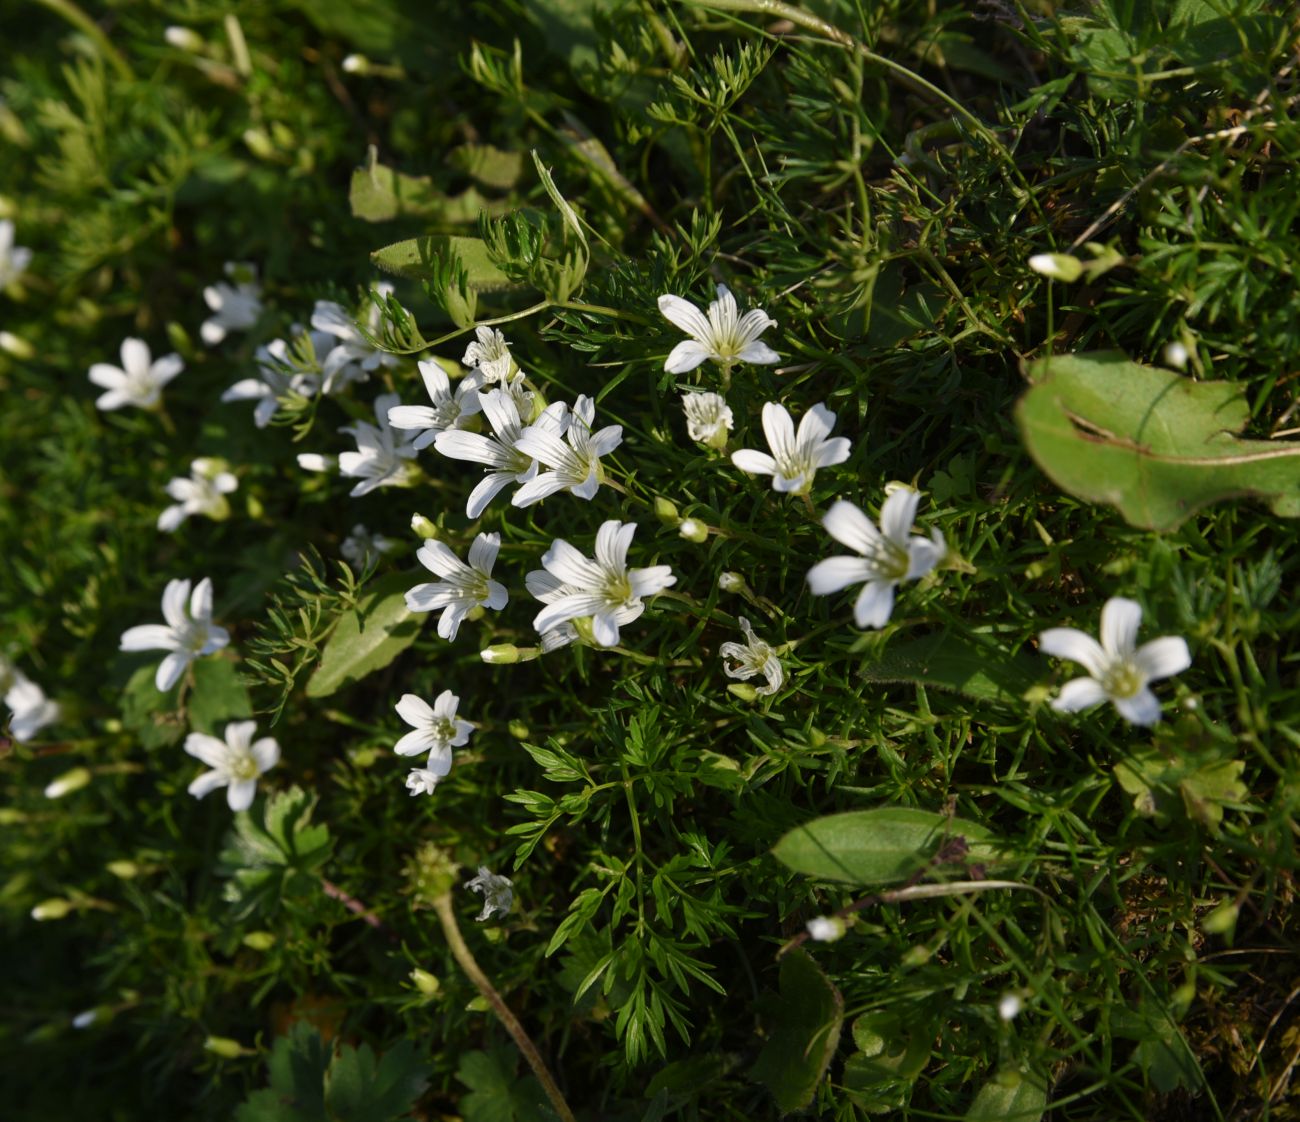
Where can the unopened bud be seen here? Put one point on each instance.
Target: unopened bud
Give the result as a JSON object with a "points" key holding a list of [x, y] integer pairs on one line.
{"points": [[259, 940], [259, 143], [85, 1019], [1057, 266], [1176, 355], [184, 39], [743, 690], [1221, 921], [226, 1048], [666, 512], [518, 730], [1009, 1006], [314, 461], [180, 338], [732, 582], [68, 782], [19, 348], [123, 870], [423, 528], [693, 530], [916, 956], [425, 982], [54, 908], [356, 64], [502, 653], [826, 929]]}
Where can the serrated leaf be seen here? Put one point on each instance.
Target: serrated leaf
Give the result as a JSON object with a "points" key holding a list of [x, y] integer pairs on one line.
{"points": [[951, 662], [805, 1033], [267, 861], [369, 636], [361, 1088], [1153, 443], [1010, 1098], [296, 1067], [418, 258], [219, 696], [877, 847], [150, 714], [495, 1094]]}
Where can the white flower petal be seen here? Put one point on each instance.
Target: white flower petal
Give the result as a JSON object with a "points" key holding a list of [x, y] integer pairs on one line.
{"points": [[1078, 693], [1162, 658], [1143, 708], [686, 356], [1120, 620], [897, 514], [1077, 646], [170, 670], [240, 794], [754, 462], [148, 637], [414, 710], [836, 573], [206, 783], [875, 604], [686, 316], [849, 526]]}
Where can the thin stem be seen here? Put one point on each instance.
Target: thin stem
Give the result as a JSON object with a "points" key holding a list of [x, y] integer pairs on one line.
{"points": [[465, 957]]}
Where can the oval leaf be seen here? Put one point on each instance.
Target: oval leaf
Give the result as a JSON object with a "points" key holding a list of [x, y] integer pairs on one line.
{"points": [[369, 637], [1151, 442], [1020, 1099], [805, 1033], [419, 258], [873, 847], [950, 662]]}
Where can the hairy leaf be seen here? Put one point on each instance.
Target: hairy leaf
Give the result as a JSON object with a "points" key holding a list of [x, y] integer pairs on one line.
{"points": [[1153, 443], [368, 637]]}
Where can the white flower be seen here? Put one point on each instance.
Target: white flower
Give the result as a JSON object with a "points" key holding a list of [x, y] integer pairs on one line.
{"points": [[498, 451], [449, 411], [795, 457], [14, 259], [187, 634], [30, 709], [353, 358], [361, 547], [724, 335], [204, 492], [1009, 1006], [1118, 669], [889, 556], [139, 381], [524, 398], [437, 729], [708, 418], [463, 587], [753, 656], [605, 589], [281, 374], [490, 353], [574, 466], [825, 929], [381, 459], [236, 762], [498, 893], [422, 781], [235, 307]]}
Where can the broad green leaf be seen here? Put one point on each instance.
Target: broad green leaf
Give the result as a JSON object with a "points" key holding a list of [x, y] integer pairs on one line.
{"points": [[568, 26], [368, 637], [296, 1067], [361, 1088], [876, 847], [1162, 786], [1162, 1051], [219, 696], [805, 1033], [1153, 443], [1009, 1097], [379, 193], [268, 861], [951, 662], [150, 714], [496, 1095], [420, 258], [492, 167]]}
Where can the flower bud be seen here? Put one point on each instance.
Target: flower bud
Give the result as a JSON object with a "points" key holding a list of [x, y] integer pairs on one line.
{"points": [[180, 338], [259, 940], [826, 929], [54, 908], [259, 143], [314, 461], [1057, 266], [502, 654], [423, 528], [184, 39], [1009, 1006], [518, 730], [19, 348], [88, 1017], [693, 530], [916, 956], [123, 870], [425, 982], [226, 1048], [666, 512], [743, 690], [1176, 355], [68, 782], [1221, 921], [733, 582], [356, 64]]}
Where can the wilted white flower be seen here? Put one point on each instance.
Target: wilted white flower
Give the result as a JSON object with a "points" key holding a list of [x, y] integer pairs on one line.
{"points": [[234, 307], [236, 762], [723, 335], [353, 358], [574, 466], [449, 410], [139, 380], [463, 587], [204, 492], [826, 929], [604, 590], [498, 893], [30, 710], [436, 729], [187, 634], [361, 547], [889, 555], [382, 459], [14, 259], [422, 780], [282, 374], [795, 457], [490, 353], [498, 451], [708, 418], [753, 656], [1119, 670]]}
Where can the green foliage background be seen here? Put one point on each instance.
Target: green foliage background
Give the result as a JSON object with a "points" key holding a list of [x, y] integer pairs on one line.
{"points": [[633, 799]]}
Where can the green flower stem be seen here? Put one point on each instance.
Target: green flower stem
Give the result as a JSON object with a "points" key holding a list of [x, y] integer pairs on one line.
{"points": [[88, 27], [465, 957]]}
